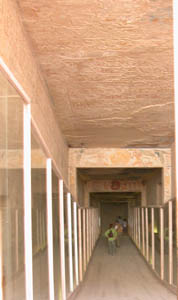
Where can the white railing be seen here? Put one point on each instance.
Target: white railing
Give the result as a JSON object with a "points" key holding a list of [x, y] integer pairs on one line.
{"points": [[153, 230]]}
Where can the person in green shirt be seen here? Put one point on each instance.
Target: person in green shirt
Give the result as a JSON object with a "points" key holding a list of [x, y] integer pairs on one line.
{"points": [[111, 235]]}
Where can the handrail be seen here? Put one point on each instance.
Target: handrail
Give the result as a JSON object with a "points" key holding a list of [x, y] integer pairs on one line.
{"points": [[148, 232]]}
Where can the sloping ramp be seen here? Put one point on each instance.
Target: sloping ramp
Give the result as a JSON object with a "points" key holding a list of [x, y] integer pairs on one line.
{"points": [[124, 276]]}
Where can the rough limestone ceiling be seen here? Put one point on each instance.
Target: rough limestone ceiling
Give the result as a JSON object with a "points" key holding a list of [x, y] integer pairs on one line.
{"points": [[108, 65]]}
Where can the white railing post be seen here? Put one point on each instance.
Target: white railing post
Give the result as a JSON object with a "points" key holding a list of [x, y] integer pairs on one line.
{"points": [[153, 237], [62, 239], [139, 231], [170, 244], [27, 203], [84, 239], [147, 236], [1, 259], [50, 228], [162, 242], [76, 242], [80, 244], [143, 232], [69, 221]]}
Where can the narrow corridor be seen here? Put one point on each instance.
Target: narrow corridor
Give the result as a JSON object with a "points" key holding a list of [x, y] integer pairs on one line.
{"points": [[123, 276]]}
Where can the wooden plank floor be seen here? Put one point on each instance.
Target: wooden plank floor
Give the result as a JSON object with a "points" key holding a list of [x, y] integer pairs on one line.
{"points": [[124, 276]]}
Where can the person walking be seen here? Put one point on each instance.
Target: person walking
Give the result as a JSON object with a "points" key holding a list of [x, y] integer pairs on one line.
{"points": [[111, 235], [119, 229]]}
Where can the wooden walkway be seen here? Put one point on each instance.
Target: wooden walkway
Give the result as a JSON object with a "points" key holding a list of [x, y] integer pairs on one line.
{"points": [[124, 276]]}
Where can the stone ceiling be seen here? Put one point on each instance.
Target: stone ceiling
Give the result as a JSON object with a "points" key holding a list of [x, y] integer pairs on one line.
{"points": [[108, 65]]}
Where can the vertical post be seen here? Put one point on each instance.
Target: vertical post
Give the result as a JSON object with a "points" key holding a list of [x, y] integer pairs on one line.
{"points": [[153, 237], [27, 203], [37, 231], [80, 243], [61, 237], [76, 242], [175, 32], [147, 236], [89, 227], [84, 239], [135, 217], [88, 233], [86, 216], [92, 224], [50, 228], [44, 240], [170, 244], [69, 219], [136, 225], [17, 239], [40, 229], [162, 242], [139, 231], [1, 259], [143, 231]]}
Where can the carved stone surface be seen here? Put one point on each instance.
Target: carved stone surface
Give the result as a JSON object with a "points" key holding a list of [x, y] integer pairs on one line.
{"points": [[108, 65]]}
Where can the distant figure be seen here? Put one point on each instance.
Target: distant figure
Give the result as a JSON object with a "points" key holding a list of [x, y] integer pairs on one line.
{"points": [[111, 235], [118, 227], [119, 220], [124, 225]]}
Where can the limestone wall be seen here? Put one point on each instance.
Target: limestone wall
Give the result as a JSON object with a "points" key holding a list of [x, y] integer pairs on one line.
{"points": [[154, 189], [16, 53]]}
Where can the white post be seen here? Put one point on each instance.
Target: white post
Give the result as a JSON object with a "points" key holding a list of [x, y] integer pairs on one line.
{"points": [[50, 228], [175, 35], [76, 242], [61, 237], [170, 244], [139, 229], [27, 203], [80, 243], [143, 232], [162, 242], [17, 238], [1, 259], [87, 235], [40, 223], [84, 239], [153, 237], [147, 236], [37, 230], [69, 218]]}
